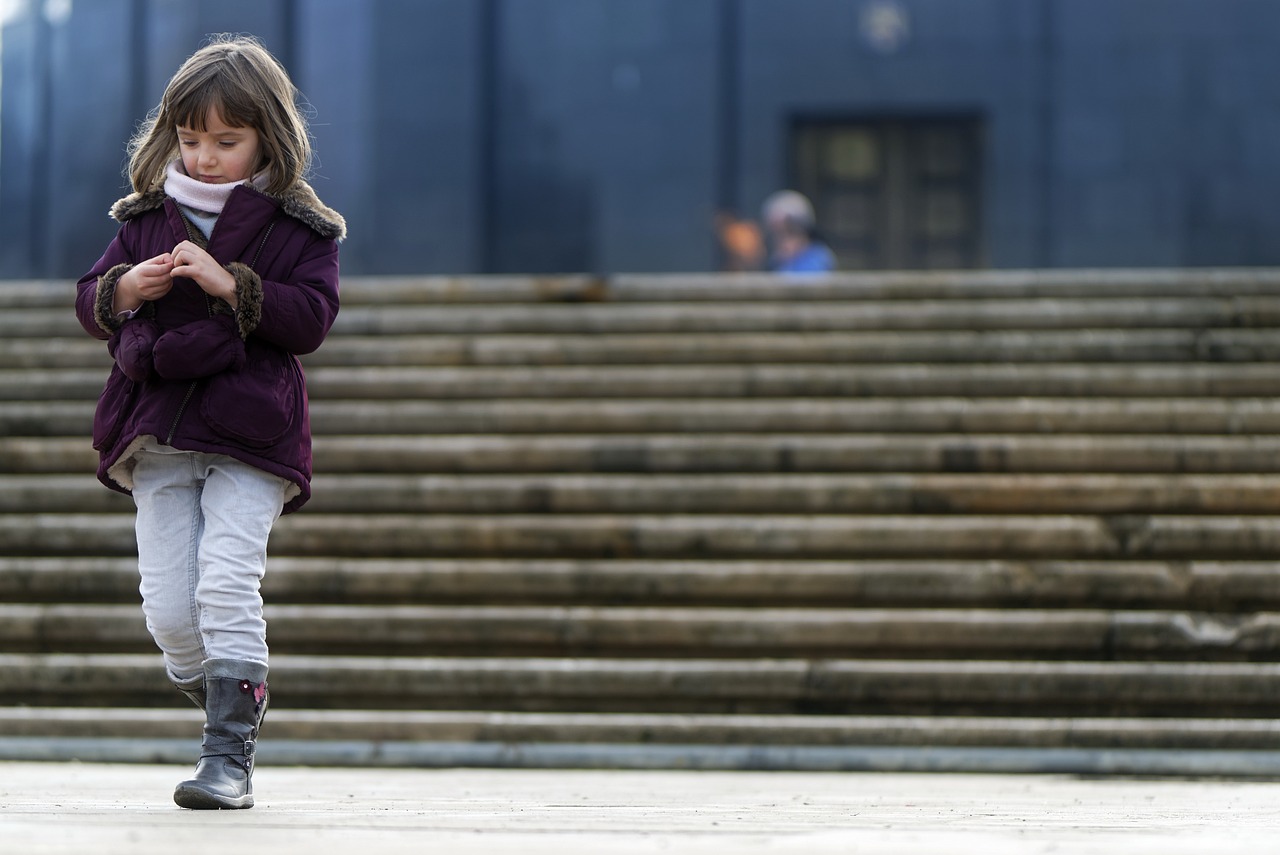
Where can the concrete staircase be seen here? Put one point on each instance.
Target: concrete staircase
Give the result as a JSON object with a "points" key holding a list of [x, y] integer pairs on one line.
{"points": [[847, 523]]}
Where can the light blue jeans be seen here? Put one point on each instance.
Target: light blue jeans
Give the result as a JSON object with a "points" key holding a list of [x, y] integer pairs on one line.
{"points": [[202, 527]]}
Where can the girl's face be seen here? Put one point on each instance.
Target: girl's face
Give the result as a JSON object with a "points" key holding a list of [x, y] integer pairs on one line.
{"points": [[220, 154]]}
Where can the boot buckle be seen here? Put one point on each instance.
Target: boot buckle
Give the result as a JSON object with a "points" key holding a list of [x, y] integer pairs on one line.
{"points": [[249, 747]]}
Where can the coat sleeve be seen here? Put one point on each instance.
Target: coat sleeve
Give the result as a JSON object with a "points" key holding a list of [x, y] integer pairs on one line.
{"points": [[296, 315], [95, 292]]}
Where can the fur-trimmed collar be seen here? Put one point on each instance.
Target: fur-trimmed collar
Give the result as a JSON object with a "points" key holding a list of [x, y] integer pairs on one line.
{"points": [[299, 202]]}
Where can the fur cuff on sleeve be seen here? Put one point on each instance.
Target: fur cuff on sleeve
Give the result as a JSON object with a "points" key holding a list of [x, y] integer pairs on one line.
{"points": [[104, 312], [248, 297]]}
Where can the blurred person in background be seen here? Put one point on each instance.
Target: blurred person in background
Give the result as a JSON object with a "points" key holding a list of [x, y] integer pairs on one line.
{"points": [[741, 244], [794, 243]]}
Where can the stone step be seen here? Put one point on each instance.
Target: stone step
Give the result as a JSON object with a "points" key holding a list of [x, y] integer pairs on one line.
{"points": [[777, 382], [729, 536], [792, 316], [946, 284], [1088, 345], [880, 415], [799, 453], [43, 354], [774, 315], [509, 493], [760, 686], [742, 453], [810, 494], [46, 455], [941, 415], [765, 381], [762, 381], [513, 728], [706, 287], [711, 536], [1223, 586], [955, 347], [653, 632]]}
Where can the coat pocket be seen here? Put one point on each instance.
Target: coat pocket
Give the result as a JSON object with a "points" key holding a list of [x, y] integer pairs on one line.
{"points": [[255, 406], [114, 405]]}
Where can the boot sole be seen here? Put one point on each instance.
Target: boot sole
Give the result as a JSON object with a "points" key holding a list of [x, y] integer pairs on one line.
{"points": [[195, 798]]}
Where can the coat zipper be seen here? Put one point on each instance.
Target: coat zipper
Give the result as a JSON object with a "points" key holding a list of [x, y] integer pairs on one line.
{"points": [[208, 304], [253, 265], [191, 390], [182, 408]]}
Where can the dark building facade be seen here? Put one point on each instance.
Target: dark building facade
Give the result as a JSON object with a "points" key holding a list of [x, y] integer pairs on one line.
{"points": [[539, 136]]}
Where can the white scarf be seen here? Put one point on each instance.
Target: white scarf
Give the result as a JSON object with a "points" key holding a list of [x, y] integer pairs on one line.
{"points": [[199, 196]]}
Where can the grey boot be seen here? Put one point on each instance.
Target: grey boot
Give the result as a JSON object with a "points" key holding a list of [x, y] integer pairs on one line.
{"points": [[236, 702]]}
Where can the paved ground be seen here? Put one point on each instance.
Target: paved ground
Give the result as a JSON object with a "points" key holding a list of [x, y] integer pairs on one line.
{"points": [[91, 808]]}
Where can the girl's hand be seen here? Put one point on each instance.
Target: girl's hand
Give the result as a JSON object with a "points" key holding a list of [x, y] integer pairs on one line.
{"points": [[199, 266], [147, 280]]}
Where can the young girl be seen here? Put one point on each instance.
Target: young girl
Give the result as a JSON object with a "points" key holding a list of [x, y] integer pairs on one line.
{"points": [[225, 268]]}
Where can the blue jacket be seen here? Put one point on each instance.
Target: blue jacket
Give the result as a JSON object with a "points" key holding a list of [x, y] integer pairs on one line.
{"points": [[815, 258]]}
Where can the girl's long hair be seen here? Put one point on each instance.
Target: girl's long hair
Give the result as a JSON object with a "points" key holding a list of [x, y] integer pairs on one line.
{"points": [[249, 88]]}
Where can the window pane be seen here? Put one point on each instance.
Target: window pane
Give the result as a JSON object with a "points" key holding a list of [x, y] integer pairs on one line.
{"points": [[946, 213], [852, 155], [848, 214], [946, 153]]}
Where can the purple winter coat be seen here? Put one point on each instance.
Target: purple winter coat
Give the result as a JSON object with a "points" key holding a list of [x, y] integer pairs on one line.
{"points": [[192, 372]]}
